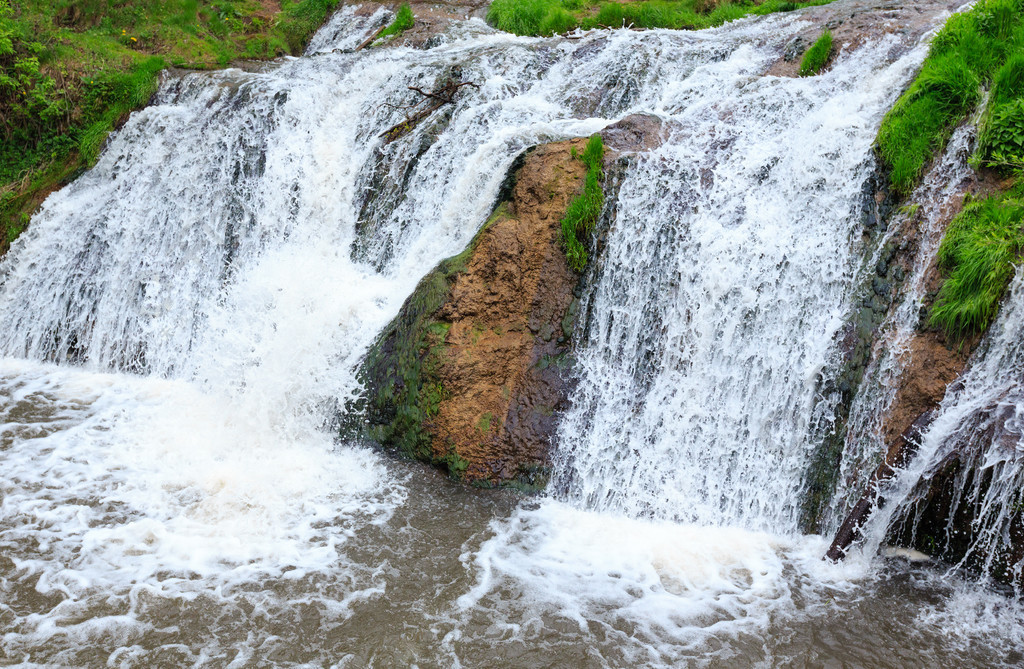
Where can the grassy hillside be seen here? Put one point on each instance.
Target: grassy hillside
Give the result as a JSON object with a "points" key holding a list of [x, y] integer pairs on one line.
{"points": [[973, 50], [546, 17], [976, 51], [71, 70]]}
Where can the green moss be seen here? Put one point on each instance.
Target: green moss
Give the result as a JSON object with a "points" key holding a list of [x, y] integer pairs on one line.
{"points": [[484, 423], [965, 54], [547, 17], [582, 213], [978, 255], [403, 21], [815, 58], [72, 70]]}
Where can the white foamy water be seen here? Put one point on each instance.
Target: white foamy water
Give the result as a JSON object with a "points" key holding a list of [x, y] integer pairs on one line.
{"points": [[181, 325], [717, 306], [934, 200]]}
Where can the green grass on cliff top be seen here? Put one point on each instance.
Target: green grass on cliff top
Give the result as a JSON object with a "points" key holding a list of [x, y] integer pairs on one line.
{"points": [[963, 58], [548, 17], [70, 70]]}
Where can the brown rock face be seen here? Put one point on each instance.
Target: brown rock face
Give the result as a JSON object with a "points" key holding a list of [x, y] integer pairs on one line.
{"points": [[932, 368], [471, 374]]}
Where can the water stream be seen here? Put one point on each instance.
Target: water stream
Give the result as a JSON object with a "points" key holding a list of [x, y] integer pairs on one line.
{"points": [[181, 323]]}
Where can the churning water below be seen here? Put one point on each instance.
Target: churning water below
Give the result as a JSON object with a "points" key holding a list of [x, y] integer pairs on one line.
{"points": [[182, 322], [126, 547]]}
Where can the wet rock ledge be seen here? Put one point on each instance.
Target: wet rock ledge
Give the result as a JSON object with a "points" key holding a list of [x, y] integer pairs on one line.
{"points": [[472, 372]]}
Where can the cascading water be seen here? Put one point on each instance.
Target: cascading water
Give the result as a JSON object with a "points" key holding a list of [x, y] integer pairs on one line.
{"points": [[698, 376], [182, 322], [933, 201], [978, 426]]}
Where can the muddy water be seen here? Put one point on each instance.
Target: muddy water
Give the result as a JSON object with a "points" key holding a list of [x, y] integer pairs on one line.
{"points": [[413, 570]]}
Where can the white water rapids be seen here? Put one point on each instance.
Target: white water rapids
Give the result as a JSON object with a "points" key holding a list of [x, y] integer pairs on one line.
{"points": [[181, 323]]}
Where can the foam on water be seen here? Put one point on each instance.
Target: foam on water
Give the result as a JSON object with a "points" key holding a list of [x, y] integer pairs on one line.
{"points": [[666, 579], [149, 484]]}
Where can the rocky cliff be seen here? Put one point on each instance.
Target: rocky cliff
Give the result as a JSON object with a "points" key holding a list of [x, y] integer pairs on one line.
{"points": [[473, 371]]}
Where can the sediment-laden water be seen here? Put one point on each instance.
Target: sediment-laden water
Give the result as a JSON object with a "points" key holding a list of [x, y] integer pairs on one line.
{"points": [[181, 324]]}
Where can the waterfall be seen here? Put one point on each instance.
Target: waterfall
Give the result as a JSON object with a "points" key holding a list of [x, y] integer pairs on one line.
{"points": [[932, 204], [717, 306], [979, 427], [181, 324]]}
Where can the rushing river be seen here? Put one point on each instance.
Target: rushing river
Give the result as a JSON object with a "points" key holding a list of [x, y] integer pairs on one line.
{"points": [[181, 325]]}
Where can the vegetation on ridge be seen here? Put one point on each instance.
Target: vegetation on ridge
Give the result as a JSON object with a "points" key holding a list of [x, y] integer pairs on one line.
{"points": [[964, 55], [71, 70], [980, 48], [582, 213], [815, 58], [548, 17]]}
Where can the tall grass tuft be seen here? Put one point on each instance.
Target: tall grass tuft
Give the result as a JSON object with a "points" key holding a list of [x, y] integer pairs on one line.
{"points": [[582, 213], [816, 57], [978, 255], [547, 17], [531, 17]]}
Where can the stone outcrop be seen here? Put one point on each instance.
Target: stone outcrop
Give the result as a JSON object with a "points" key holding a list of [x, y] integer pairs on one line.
{"points": [[932, 365], [952, 517], [472, 373], [853, 23]]}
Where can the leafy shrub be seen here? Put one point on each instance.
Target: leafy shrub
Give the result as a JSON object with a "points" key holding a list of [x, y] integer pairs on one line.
{"points": [[1001, 143], [978, 255], [582, 213], [816, 57], [1008, 82]]}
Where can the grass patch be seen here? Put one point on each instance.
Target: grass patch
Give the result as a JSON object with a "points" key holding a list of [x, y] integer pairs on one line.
{"points": [[403, 21], [582, 213], [72, 70], [964, 55], [978, 255], [815, 58], [548, 17], [1001, 136]]}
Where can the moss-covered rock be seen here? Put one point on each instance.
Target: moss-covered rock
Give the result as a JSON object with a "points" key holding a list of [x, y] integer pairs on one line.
{"points": [[473, 372]]}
